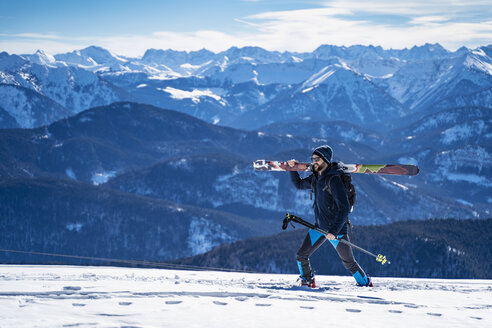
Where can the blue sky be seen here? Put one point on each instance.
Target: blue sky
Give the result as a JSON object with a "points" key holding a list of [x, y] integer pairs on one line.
{"points": [[130, 27]]}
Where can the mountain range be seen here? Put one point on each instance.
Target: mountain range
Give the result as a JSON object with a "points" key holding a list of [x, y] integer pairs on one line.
{"points": [[181, 129], [243, 87]]}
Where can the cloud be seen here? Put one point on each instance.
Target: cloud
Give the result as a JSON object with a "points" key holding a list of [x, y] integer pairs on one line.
{"points": [[412, 7], [31, 36], [428, 20], [389, 24]]}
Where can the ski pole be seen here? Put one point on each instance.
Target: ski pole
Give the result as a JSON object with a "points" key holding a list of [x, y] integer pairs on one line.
{"points": [[291, 217]]}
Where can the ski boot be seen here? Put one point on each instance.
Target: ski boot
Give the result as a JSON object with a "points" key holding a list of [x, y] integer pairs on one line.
{"points": [[303, 282], [369, 283]]}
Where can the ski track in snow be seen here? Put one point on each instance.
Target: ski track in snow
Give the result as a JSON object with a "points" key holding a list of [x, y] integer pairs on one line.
{"points": [[69, 296]]}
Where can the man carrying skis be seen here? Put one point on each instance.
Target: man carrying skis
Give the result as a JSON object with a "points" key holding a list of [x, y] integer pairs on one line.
{"points": [[331, 208]]}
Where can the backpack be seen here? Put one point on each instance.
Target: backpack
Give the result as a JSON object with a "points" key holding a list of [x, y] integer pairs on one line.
{"points": [[347, 183]]}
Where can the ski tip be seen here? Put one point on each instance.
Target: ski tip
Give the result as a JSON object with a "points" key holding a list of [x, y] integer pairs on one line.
{"points": [[413, 170]]}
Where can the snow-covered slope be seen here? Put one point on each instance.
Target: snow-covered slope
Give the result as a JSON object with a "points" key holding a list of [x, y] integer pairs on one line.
{"points": [[419, 84], [336, 92], [452, 148], [93, 58], [64, 296], [28, 108], [72, 87]]}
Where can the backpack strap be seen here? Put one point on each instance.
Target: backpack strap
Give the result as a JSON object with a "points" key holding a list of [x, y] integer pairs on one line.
{"points": [[327, 187]]}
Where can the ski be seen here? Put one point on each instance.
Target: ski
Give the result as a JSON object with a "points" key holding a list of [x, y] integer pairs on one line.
{"points": [[393, 169]]}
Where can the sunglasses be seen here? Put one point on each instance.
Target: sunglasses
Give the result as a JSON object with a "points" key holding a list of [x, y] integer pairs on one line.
{"points": [[315, 159]]}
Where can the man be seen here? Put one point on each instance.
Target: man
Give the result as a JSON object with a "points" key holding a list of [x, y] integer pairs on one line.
{"points": [[331, 208]]}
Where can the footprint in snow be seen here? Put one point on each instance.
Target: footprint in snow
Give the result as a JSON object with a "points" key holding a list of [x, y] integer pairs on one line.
{"points": [[79, 304], [241, 298], [353, 310], [72, 288], [125, 303], [478, 318], [219, 303], [174, 302], [307, 307], [263, 304], [434, 314], [395, 311]]}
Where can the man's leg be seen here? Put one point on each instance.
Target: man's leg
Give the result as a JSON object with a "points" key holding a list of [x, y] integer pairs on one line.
{"points": [[311, 243], [345, 253]]}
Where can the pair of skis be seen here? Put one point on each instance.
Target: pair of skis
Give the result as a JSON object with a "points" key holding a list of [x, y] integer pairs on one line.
{"points": [[392, 169]]}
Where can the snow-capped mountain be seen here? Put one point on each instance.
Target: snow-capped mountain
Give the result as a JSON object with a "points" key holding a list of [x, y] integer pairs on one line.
{"points": [[42, 58], [455, 147], [92, 58], [416, 53], [420, 84], [236, 87], [336, 92], [57, 90], [28, 108]]}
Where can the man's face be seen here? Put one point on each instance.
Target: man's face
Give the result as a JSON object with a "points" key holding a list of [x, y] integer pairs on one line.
{"points": [[318, 163]]}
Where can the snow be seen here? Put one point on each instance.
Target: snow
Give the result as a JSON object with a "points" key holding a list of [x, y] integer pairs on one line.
{"points": [[69, 296], [193, 95], [464, 202], [405, 188], [463, 131], [321, 76], [69, 172], [19, 106], [102, 177], [408, 160], [75, 226], [296, 59], [205, 235], [472, 178], [181, 163]]}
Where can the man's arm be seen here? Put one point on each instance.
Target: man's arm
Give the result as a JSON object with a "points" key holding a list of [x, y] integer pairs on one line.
{"points": [[300, 183], [296, 179]]}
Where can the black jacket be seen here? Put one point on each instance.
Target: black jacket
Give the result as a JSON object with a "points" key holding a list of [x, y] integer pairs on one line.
{"points": [[331, 204]]}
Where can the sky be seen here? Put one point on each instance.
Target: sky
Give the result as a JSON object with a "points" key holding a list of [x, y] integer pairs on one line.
{"points": [[129, 28]]}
